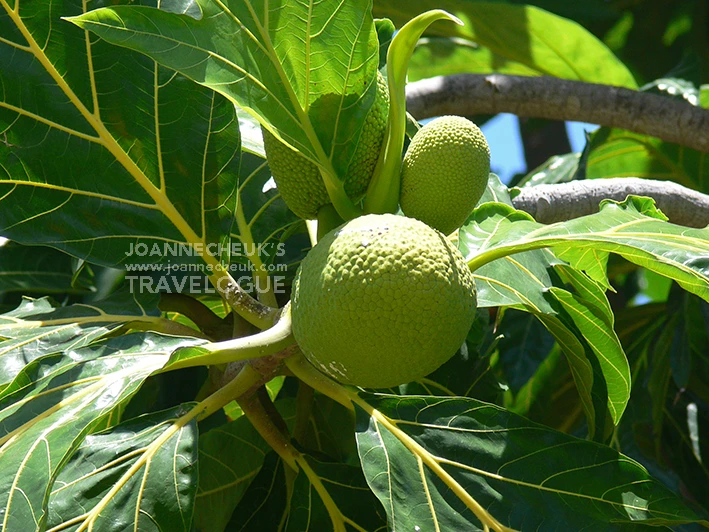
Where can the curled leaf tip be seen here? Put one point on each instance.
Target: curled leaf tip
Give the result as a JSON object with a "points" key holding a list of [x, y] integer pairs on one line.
{"points": [[455, 19]]}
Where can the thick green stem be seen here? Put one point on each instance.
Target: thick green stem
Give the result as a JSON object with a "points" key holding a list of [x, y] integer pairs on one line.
{"points": [[307, 373], [303, 410], [259, 418], [260, 275], [250, 309], [265, 343], [246, 379], [195, 310], [328, 219]]}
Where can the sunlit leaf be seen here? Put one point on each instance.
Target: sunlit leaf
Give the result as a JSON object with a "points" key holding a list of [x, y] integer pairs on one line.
{"points": [[619, 153], [522, 35], [632, 229], [439, 56], [53, 403], [596, 327], [107, 150], [99, 479], [537, 282], [304, 71], [466, 464], [37, 328]]}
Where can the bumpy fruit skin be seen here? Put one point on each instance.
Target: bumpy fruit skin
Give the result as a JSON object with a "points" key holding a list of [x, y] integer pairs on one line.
{"points": [[381, 301], [299, 181], [444, 172]]}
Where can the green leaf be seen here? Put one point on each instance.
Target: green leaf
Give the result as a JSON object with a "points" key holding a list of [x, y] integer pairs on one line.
{"points": [[305, 72], [25, 331], [468, 464], [230, 457], [518, 281], [596, 326], [549, 396], [330, 431], [533, 281], [98, 479], [108, 150], [522, 35], [53, 403], [620, 153], [439, 56], [264, 505], [524, 346], [43, 270], [341, 500], [622, 228], [631, 229]]}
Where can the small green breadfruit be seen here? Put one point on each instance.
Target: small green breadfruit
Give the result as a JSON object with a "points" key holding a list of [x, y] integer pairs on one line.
{"points": [[381, 301], [444, 172], [299, 180]]}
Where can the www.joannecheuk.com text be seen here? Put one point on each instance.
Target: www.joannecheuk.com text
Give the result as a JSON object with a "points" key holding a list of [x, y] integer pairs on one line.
{"points": [[181, 249]]}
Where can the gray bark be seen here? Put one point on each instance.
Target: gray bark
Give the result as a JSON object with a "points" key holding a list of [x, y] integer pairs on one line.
{"points": [[669, 119], [564, 201]]}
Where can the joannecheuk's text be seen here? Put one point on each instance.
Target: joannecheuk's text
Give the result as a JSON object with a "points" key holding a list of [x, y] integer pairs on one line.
{"points": [[198, 249]]}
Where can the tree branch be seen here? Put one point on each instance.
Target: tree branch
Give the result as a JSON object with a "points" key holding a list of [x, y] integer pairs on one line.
{"points": [[545, 97], [564, 201]]}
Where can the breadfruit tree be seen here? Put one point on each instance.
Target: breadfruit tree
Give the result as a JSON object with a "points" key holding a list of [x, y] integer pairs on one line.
{"points": [[256, 272]]}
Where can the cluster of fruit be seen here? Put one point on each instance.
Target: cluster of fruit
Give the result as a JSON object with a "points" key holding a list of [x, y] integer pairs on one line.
{"points": [[386, 299]]}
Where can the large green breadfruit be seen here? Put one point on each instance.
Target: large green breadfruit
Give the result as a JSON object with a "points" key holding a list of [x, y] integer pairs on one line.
{"points": [[299, 180], [381, 301], [444, 172]]}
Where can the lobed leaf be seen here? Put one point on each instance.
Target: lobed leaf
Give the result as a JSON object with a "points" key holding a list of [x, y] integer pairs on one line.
{"points": [[38, 328], [305, 72], [98, 487], [51, 406], [633, 229], [106, 150], [573, 308], [42, 270], [468, 464]]}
